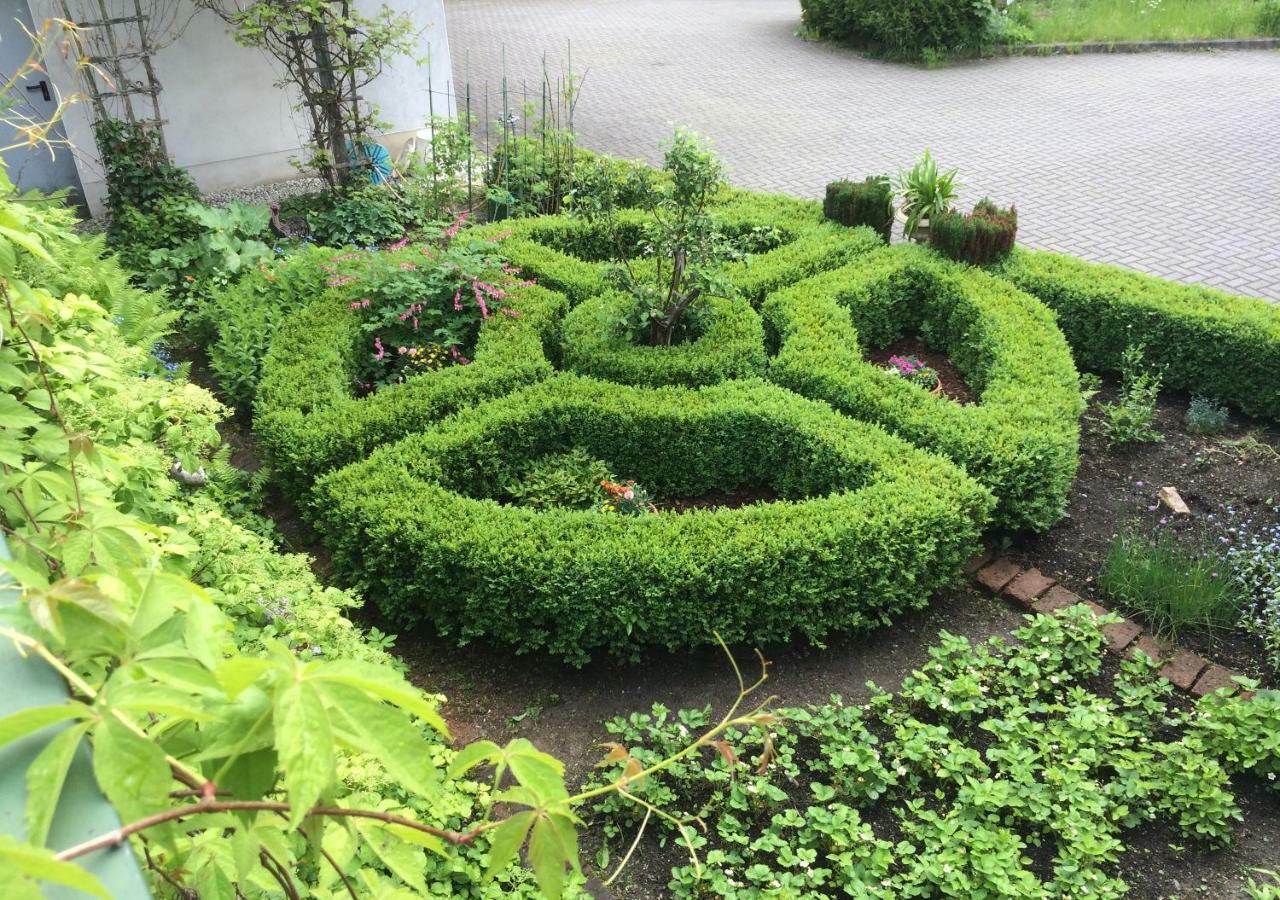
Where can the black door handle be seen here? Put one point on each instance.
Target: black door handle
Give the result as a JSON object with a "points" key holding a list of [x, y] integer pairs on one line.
{"points": [[43, 88]]}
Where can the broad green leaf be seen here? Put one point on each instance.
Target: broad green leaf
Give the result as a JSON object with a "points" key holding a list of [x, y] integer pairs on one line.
{"points": [[250, 776], [473, 755], [39, 864], [553, 845], [45, 777], [131, 770], [147, 697], [204, 630], [381, 682], [404, 859], [304, 743], [238, 672], [414, 836], [182, 673], [538, 771], [385, 732], [29, 721], [505, 841]]}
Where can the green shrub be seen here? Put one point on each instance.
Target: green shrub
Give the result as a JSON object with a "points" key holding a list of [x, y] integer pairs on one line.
{"points": [[980, 238], [310, 420], [1021, 440], [868, 526], [902, 28], [869, 203], [138, 173], [1006, 769], [1205, 416], [730, 345], [569, 480], [364, 218], [1219, 345], [1174, 585], [1131, 419]]}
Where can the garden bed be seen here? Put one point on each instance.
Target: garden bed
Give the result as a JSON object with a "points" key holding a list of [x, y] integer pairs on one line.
{"points": [[954, 386]]}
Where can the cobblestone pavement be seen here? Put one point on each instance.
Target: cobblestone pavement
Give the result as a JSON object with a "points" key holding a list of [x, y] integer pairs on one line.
{"points": [[1168, 163]]}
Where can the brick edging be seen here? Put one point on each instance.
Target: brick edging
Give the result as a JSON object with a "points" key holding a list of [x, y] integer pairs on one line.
{"points": [[1039, 593], [1070, 49]]}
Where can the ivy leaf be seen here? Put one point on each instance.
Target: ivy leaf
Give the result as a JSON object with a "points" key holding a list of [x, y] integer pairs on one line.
{"points": [[131, 770], [553, 845], [505, 842], [381, 682], [385, 732], [45, 777], [20, 862], [29, 721], [304, 742]]}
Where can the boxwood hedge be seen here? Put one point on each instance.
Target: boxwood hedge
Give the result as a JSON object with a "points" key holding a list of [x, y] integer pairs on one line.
{"points": [[867, 525], [1021, 440], [731, 345], [310, 421], [1219, 345]]}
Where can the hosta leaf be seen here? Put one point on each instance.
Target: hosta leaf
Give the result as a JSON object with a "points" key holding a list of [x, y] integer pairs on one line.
{"points": [[304, 743]]}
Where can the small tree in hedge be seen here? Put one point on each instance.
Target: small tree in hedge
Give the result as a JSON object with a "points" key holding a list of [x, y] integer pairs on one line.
{"points": [[868, 202], [683, 242], [980, 238]]}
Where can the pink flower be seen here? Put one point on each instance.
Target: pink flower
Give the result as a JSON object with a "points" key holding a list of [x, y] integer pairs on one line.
{"points": [[484, 310], [400, 244], [377, 345], [508, 311], [458, 357], [452, 231], [457, 300], [628, 495], [408, 267]]}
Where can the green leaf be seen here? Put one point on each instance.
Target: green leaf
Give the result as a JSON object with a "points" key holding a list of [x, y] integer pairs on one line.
{"points": [[39, 864], [45, 777], [538, 771], [131, 770], [29, 721], [381, 682], [304, 742], [203, 631], [552, 846], [385, 732], [414, 836], [404, 859], [505, 841], [473, 755]]}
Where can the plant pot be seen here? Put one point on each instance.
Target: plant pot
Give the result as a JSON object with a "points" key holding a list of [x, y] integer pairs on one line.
{"points": [[937, 388], [920, 235]]}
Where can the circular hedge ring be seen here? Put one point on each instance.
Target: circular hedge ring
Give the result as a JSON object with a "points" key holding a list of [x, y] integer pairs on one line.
{"points": [[867, 525], [730, 346], [1021, 440]]}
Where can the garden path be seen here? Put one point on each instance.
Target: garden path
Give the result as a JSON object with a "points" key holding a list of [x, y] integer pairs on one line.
{"points": [[1139, 160]]}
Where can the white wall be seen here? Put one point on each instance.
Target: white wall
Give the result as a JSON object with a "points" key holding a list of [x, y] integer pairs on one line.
{"points": [[227, 121]]}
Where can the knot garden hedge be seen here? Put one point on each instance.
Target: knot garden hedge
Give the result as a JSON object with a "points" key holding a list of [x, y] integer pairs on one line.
{"points": [[883, 489]]}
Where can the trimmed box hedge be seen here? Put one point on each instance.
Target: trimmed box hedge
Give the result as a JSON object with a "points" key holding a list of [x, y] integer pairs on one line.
{"points": [[730, 346], [309, 420], [1210, 343], [869, 526], [1021, 439]]}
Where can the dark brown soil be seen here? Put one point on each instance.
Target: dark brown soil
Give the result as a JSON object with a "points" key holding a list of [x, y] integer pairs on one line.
{"points": [[1119, 487], [731, 499], [953, 383]]}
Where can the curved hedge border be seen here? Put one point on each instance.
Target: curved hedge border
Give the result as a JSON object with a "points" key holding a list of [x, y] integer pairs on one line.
{"points": [[731, 346], [885, 526], [1021, 440], [309, 421], [1219, 345]]}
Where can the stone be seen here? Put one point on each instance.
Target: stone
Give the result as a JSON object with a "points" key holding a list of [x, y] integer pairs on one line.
{"points": [[1155, 649], [1212, 679], [1170, 497], [1183, 669], [994, 576], [1120, 634], [1028, 585], [1054, 599], [977, 562]]}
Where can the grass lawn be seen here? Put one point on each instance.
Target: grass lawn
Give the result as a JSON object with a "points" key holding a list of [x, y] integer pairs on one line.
{"points": [[1072, 21]]}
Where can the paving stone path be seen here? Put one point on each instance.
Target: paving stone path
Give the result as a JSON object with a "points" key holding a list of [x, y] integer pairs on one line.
{"points": [[1164, 162]]}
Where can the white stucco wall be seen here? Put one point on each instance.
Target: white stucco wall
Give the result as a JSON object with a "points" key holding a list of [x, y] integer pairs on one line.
{"points": [[227, 121]]}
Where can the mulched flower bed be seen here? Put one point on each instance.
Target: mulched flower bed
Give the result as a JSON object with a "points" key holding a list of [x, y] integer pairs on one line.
{"points": [[1115, 488], [953, 383]]}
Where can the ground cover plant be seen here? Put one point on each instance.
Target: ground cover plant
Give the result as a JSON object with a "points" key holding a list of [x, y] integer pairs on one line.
{"points": [[1002, 769], [1078, 21]]}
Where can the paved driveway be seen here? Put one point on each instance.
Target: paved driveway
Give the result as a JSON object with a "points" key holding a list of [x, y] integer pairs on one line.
{"points": [[1168, 163]]}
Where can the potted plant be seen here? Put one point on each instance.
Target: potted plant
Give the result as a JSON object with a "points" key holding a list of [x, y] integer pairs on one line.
{"points": [[926, 192]]}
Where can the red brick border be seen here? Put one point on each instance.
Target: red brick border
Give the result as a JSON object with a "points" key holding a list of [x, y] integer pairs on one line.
{"points": [[1032, 589]]}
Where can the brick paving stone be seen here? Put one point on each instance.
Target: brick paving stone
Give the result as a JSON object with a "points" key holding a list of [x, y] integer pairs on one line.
{"points": [[1212, 678], [1149, 645], [977, 562], [1120, 634], [1028, 586], [1070, 139], [996, 575], [1183, 668], [1056, 598]]}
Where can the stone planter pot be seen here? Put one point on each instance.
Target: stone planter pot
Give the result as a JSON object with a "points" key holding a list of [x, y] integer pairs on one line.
{"points": [[921, 234]]}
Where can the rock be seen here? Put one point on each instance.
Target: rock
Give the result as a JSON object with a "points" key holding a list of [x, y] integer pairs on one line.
{"points": [[1170, 497]]}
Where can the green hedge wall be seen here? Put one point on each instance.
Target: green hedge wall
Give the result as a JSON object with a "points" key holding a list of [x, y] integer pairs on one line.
{"points": [[309, 421], [1021, 440], [875, 526], [1211, 343], [730, 346]]}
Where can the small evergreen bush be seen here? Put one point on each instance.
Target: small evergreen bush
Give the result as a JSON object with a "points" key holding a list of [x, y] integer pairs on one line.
{"points": [[980, 238], [868, 202], [907, 29]]}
